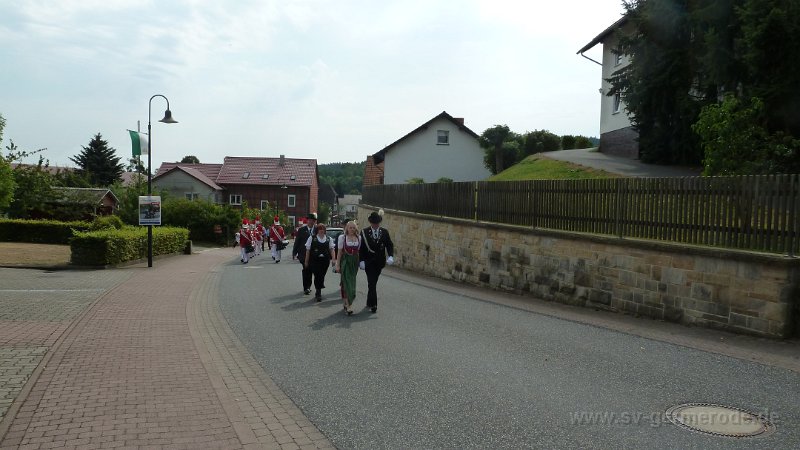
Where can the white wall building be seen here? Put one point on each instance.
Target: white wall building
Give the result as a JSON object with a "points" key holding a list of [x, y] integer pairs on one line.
{"points": [[440, 148], [617, 137]]}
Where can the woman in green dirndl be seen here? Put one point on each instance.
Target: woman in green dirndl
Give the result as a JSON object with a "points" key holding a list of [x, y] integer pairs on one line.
{"points": [[347, 263]]}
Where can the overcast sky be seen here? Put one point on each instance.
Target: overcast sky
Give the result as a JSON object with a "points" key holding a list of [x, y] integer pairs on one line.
{"points": [[334, 80]]}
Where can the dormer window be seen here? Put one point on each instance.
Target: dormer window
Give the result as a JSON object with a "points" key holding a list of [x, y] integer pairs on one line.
{"points": [[292, 177], [246, 175], [265, 176]]}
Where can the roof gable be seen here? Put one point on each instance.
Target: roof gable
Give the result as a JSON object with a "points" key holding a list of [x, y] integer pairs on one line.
{"points": [[193, 172], [379, 156], [604, 34], [83, 196], [211, 171]]}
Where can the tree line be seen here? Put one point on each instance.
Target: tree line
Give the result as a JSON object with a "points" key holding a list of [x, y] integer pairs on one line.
{"points": [[504, 148]]}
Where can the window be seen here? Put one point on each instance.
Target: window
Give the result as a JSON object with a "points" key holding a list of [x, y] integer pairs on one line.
{"points": [[292, 221], [290, 202], [264, 205], [292, 177], [236, 199], [617, 57], [442, 137], [191, 195], [265, 176], [617, 103], [246, 175]]}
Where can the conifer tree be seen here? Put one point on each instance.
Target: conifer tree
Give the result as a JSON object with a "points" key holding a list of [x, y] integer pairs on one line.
{"points": [[99, 162]]}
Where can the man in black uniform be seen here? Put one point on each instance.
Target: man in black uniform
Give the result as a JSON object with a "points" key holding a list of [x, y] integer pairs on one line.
{"points": [[299, 248], [376, 251]]}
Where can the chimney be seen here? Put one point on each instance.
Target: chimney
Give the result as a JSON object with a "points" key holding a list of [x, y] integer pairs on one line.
{"points": [[282, 161], [459, 120]]}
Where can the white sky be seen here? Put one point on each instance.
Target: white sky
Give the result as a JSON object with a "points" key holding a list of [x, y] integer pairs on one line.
{"points": [[331, 80]]}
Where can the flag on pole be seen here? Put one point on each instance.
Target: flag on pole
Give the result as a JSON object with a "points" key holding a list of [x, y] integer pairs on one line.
{"points": [[139, 143]]}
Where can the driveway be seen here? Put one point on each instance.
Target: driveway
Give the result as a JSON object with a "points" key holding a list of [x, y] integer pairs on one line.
{"points": [[590, 157]]}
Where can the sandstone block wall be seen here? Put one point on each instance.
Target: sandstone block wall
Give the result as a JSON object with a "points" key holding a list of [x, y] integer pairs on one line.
{"points": [[734, 290]]}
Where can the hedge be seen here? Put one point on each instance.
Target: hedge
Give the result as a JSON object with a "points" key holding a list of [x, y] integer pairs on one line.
{"points": [[39, 231], [112, 246]]}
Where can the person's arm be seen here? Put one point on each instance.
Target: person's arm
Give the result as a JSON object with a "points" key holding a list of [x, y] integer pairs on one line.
{"points": [[308, 250], [389, 244], [331, 248], [341, 250]]}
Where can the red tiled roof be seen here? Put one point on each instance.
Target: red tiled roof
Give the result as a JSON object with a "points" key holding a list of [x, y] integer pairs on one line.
{"points": [[209, 170], [268, 171], [373, 173], [193, 172]]}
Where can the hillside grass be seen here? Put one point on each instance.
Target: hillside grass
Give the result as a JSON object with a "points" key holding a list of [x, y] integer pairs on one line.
{"points": [[536, 167]]}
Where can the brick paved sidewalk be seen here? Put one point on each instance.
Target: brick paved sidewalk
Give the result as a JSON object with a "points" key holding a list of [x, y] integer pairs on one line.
{"points": [[153, 364]]}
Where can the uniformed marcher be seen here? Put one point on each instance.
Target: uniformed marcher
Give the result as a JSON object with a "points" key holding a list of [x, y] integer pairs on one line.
{"points": [[376, 251], [299, 249]]}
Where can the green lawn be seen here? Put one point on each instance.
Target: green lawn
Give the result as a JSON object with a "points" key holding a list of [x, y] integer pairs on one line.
{"points": [[535, 167]]}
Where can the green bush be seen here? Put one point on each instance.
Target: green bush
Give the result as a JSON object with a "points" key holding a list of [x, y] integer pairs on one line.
{"points": [[112, 246], [200, 217], [735, 141], [103, 222], [39, 231]]}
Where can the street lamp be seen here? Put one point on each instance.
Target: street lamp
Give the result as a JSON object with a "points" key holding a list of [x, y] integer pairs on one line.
{"points": [[167, 119]]}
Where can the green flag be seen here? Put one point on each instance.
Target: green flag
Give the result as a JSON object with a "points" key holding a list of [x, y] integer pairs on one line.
{"points": [[139, 143]]}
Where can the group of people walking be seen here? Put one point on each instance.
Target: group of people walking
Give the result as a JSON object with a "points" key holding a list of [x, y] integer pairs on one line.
{"points": [[369, 249], [253, 237]]}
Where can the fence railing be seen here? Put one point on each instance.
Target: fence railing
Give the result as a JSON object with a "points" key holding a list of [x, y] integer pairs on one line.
{"points": [[741, 212]]}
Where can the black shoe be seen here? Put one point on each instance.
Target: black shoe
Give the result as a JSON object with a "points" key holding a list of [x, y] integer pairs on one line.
{"points": [[318, 298], [306, 291], [374, 309]]}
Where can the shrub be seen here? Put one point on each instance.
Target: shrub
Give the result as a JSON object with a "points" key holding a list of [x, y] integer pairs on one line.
{"points": [[103, 222], [112, 246], [200, 217], [39, 231]]}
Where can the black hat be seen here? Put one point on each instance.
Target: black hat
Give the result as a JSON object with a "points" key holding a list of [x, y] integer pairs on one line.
{"points": [[312, 216], [374, 217]]}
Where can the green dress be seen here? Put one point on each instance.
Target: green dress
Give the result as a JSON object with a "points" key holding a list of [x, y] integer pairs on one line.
{"points": [[349, 268]]}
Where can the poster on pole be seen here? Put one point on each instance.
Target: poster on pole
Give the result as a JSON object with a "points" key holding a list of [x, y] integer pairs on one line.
{"points": [[149, 210]]}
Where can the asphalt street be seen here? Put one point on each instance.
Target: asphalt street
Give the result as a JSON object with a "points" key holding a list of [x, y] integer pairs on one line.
{"points": [[433, 369]]}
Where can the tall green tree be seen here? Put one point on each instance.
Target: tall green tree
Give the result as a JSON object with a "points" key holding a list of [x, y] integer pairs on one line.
{"points": [[34, 190], [498, 142], [7, 184], [660, 85], [190, 159], [769, 48], [99, 162]]}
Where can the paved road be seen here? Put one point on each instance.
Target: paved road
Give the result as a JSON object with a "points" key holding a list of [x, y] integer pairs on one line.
{"points": [[622, 166], [433, 369]]}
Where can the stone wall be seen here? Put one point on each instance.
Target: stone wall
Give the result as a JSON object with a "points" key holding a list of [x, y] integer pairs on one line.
{"points": [[734, 290], [623, 142]]}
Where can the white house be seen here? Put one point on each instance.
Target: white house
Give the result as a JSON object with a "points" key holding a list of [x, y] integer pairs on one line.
{"points": [[617, 137], [442, 147]]}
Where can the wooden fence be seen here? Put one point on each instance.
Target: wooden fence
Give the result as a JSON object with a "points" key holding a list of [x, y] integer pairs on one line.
{"points": [[744, 212]]}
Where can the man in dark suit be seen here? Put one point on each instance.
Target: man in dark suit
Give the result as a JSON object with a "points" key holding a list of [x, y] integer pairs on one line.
{"points": [[376, 251], [299, 248]]}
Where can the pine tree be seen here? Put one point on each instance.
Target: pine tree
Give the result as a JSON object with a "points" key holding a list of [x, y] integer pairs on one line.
{"points": [[99, 162]]}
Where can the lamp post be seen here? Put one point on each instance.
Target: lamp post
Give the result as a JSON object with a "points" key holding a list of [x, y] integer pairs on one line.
{"points": [[167, 119]]}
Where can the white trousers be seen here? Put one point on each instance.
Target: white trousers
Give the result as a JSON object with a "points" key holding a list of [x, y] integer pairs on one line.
{"points": [[245, 257], [276, 254]]}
